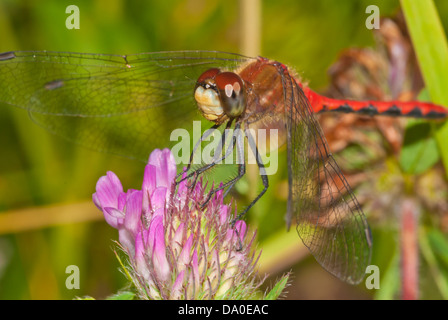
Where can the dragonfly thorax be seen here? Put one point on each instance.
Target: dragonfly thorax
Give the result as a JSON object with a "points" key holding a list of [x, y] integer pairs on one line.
{"points": [[220, 96]]}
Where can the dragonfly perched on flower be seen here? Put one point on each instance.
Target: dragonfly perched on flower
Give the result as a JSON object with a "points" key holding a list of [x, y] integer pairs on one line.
{"points": [[128, 104]]}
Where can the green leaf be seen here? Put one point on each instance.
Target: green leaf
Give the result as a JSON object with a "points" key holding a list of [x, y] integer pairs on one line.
{"points": [[278, 288], [390, 281], [439, 243], [419, 151], [125, 295], [85, 298], [434, 267], [431, 48]]}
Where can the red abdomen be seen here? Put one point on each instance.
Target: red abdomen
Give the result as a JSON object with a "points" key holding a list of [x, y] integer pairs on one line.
{"points": [[415, 109]]}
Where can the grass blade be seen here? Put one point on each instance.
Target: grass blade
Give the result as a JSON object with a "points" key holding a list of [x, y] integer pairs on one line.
{"points": [[431, 48]]}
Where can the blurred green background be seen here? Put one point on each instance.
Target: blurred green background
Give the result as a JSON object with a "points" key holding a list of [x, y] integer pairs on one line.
{"points": [[46, 184]]}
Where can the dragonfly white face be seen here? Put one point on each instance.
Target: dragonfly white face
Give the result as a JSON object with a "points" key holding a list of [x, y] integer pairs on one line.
{"points": [[208, 102], [220, 95]]}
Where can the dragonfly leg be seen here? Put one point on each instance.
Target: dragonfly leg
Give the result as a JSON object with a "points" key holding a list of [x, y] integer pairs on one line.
{"points": [[262, 170], [241, 168], [206, 134], [215, 161]]}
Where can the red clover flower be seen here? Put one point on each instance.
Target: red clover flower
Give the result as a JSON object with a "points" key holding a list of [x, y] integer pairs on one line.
{"points": [[177, 248]]}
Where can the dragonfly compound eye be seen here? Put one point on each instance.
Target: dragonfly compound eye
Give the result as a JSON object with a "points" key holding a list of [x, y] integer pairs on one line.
{"points": [[207, 96], [232, 93]]}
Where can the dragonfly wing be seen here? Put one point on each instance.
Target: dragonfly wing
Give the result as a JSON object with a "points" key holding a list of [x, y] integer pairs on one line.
{"points": [[329, 218], [123, 105]]}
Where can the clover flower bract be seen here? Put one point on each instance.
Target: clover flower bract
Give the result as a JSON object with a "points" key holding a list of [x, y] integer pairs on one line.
{"points": [[176, 248]]}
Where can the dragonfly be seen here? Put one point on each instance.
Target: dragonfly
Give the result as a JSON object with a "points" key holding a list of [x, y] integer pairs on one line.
{"points": [[128, 104]]}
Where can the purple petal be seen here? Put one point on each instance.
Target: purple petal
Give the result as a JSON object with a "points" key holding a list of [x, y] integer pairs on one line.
{"points": [[241, 227], [153, 225], [149, 179], [140, 244], [223, 214], [148, 186], [218, 195], [185, 256], [159, 198], [165, 164], [108, 188], [113, 217], [127, 240], [96, 201], [195, 268], [131, 191], [231, 235], [154, 157], [182, 187], [171, 169], [176, 292], [159, 259], [140, 254], [155, 161], [122, 201], [176, 241], [132, 219]]}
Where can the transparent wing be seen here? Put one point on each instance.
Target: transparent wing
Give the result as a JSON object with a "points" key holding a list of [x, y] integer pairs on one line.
{"points": [[329, 218], [124, 105]]}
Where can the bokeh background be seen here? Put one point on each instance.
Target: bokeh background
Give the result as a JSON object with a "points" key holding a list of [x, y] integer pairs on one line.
{"points": [[47, 220]]}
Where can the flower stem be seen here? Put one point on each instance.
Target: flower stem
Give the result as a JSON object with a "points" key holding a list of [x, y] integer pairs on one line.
{"points": [[409, 250]]}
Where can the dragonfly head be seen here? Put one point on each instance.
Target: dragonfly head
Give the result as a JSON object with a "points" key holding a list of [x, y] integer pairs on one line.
{"points": [[220, 95]]}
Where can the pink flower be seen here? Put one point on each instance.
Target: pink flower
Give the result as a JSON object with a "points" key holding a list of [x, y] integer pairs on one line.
{"points": [[176, 248]]}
